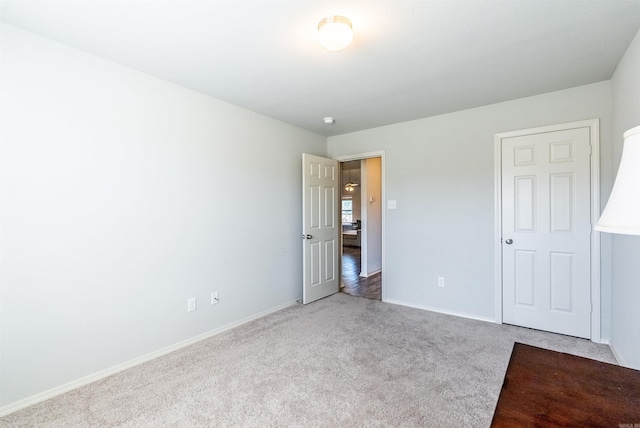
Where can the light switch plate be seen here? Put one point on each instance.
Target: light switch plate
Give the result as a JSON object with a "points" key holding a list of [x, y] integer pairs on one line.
{"points": [[391, 204]]}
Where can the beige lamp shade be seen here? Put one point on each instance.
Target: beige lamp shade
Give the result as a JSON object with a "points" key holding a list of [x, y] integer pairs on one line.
{"points": [[622, 213]]}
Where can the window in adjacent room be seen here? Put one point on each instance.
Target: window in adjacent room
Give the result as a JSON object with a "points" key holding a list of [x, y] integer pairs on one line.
{"points": [[347, 211]]}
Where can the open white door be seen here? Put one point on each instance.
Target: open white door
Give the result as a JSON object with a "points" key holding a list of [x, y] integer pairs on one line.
{"points": [[320, 227]]}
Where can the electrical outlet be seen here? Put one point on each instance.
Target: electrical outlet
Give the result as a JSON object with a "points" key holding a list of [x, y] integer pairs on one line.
{"points": [[215, 299], [441, 281], [191, 304]]}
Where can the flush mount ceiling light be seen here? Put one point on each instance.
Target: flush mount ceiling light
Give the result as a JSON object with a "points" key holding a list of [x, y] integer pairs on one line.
{"points": [[622, 213], [335, 32], [329, 120]]}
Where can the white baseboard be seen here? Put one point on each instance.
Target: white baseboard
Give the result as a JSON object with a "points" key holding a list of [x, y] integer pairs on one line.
{"points": [[441, 311], [367, 275], [29, 401], [616, 355]]}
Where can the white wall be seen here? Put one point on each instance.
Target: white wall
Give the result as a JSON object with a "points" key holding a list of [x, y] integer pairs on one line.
{"points": [[440, 171], [122, 196], [625, 288]]}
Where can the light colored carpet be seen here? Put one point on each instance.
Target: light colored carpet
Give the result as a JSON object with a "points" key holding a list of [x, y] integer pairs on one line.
{"points": [[343, 361]]}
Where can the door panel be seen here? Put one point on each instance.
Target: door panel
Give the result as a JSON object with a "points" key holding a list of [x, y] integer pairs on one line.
{"points": [[320, 227], [561, 281], [525, 203], [525, 277], [546, 213], [562, 198]]}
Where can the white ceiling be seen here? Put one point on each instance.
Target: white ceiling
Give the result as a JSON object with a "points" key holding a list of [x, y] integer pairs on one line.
{"points": [[409, 59]]}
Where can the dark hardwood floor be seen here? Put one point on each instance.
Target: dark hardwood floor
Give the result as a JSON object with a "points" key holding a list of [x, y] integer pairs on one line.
{"points": [[352, 283]]}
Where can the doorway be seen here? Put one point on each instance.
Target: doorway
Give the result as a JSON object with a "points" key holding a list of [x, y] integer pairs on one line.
{"points": [[547, 258], [361, 222]]}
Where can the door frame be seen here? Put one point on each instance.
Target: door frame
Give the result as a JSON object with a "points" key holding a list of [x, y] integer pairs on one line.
{"points": [[368, 155], [594, 135]]}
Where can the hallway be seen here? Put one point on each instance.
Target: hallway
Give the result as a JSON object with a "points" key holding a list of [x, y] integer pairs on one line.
{"points": [[352, 283]]}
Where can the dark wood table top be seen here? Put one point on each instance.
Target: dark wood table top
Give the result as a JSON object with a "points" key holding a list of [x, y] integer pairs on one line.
{"points": [[544, 388]]}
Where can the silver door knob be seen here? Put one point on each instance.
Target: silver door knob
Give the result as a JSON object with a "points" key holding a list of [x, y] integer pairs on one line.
{"points": [[509, 241]]}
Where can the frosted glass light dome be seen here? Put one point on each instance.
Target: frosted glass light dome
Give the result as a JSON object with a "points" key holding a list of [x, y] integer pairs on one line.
{"points": [[335, 32]]}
